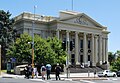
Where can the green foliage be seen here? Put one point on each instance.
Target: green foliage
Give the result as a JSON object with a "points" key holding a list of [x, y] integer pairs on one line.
{"points": [[6, 28], [21, 49], [45, 50], [111, 57], [56, 45], [116, 64]]}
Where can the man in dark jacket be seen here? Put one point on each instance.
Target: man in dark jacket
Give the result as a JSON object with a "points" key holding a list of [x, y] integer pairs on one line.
{"points": [[48, 68], [57, 71]]}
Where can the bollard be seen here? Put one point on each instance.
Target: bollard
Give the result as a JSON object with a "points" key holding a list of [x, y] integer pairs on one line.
{"points": [[88, 73], [94, 73]]}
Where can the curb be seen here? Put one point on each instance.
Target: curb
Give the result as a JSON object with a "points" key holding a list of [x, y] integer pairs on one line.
{"points": [[6, 77], [88, 78]]}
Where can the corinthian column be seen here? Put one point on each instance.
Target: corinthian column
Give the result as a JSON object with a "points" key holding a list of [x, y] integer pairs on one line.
{"points": [[84, 49], [58, 33], [103, 47], [106, 51], [68, 47], [100, 49], [93, 61], [76, 48], [96, 49]]}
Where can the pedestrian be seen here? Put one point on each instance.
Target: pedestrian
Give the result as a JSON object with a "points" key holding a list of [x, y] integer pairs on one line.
{"points": [[26, 72], [48, 70], [35, 71], [57, 71], [30, 70], [43, 71]]}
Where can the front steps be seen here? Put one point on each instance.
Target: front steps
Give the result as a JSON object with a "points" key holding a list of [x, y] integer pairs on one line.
{"points": [[85, 70]]}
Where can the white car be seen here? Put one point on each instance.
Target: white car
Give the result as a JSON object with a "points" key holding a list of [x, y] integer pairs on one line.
{"points": [[106, 73]]}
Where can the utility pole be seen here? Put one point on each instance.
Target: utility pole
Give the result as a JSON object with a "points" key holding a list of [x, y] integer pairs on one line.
{"points": [[33, 26]]}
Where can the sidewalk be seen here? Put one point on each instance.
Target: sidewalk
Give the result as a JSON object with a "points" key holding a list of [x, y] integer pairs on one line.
{"points": [[71, 76]]}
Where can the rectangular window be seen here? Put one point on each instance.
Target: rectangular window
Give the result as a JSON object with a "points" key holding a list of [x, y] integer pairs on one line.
{"points": [[89, 44], [81, 43]]}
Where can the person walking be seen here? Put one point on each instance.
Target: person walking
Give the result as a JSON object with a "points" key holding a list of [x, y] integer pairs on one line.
{"points": [[48, 70], [30, 70], [43, 71], [35, 71], [57, 71], [26, 72]]}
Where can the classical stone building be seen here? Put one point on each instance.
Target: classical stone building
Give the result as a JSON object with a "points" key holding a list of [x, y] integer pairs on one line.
{"points": [[89, 37]]}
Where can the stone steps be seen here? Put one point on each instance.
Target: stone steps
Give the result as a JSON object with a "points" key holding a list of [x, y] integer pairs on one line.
{"points": [[85, 70]]}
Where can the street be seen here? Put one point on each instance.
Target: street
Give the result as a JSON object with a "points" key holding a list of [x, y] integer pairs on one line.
{"points": [[13, 80]]}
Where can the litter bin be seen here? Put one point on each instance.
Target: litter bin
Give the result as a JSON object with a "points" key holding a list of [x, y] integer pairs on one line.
{"points": [[8, 67]]}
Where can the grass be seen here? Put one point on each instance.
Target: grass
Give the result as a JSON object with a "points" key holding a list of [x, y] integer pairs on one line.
{"points": [[6, 70]]}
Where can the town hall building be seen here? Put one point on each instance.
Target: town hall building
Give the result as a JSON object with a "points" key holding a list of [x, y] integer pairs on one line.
{"points": [[89, 37]]}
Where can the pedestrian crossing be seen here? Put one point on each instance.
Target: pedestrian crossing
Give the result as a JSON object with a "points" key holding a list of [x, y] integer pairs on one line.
{"points": [[78, 81], [86, 81]]}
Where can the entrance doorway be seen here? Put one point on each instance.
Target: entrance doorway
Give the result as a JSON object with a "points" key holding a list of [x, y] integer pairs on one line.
{"points": [[73, 59], [81, 59]]}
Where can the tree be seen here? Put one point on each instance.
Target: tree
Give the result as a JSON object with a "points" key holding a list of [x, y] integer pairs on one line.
{"points": [[6, 31], [111, 57], [56, 45], [20, 49], [116, 64], [45, 50]]}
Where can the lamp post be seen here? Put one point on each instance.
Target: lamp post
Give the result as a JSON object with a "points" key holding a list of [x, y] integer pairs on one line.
{"points": [[33, 26]]}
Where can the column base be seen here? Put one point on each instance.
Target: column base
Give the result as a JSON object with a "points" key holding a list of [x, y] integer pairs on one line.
{"points": [[77, 63], [93, 64]]}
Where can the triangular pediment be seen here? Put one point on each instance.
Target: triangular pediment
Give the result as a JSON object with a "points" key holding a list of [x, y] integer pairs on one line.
{"points": [[81, 19]]}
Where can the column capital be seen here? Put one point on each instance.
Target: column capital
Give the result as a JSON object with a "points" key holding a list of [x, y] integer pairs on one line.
{"points": [[67, 31], [84, 33], [76, 32], [58, 29]]}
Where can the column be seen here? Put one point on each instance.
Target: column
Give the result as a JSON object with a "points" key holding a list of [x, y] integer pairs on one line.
{"points": [[103, 47], [76, 48], [106, 53], [58, 33], [100, 49], [96, 49], [106, 49], [93, 62], [68, 47], [84, 49]]}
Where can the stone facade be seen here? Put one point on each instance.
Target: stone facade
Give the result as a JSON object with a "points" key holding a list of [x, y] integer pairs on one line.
{"points": [[90, 38]]}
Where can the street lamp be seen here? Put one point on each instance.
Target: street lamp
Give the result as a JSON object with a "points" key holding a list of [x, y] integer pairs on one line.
{"points": [[33, 26]]}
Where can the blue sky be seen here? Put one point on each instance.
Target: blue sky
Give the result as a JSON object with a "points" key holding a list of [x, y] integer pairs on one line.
{"points": [[105, 12]]}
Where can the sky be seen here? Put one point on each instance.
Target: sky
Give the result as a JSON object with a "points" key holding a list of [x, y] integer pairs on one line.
{"points": [[105, 12]]}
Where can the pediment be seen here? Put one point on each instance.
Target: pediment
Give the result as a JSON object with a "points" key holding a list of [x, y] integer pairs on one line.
{"points": [[82, 19]]}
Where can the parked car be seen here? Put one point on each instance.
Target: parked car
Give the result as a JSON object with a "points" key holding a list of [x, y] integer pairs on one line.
{"points": [[106, 73], [118, 73]]}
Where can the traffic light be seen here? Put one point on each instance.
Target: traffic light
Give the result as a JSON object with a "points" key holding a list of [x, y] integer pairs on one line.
{"points": [[64, 45]]}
